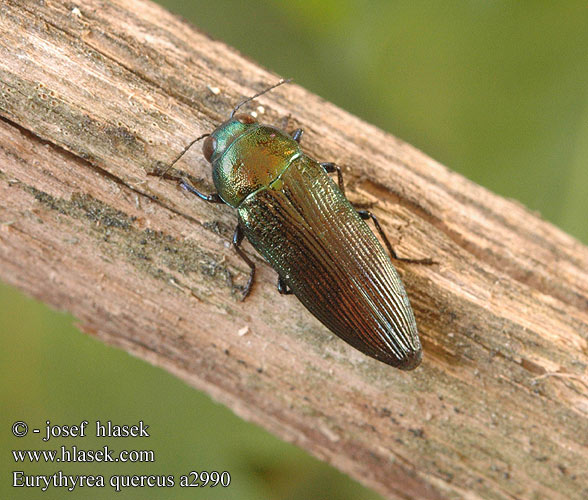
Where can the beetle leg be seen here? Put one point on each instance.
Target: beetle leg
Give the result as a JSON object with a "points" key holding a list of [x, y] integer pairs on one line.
{"points": [[283, 288], [185, 184], [331, 167], [237, 240], [211, 198], [366, 214], [297, 134]]}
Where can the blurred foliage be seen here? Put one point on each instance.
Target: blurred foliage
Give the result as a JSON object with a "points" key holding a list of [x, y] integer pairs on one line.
{"points": [[496, 90]]}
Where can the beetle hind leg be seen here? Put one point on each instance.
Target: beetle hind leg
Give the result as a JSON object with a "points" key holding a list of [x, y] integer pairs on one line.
{"points": [[366, 214], [237, 240], [283, 288]]}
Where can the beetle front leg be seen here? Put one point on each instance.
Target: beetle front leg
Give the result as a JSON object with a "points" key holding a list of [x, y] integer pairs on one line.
{"points": [[366, 214], [237, 240], [297, 135], [211, 198], [330, 167], [185, 184], [283, 288]]}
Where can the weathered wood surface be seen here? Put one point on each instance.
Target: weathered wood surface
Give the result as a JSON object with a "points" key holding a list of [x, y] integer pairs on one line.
{"points": [[93, 96]]}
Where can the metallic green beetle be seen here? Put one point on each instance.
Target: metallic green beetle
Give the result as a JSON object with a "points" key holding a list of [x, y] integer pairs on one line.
{"points": [[297, 218]]}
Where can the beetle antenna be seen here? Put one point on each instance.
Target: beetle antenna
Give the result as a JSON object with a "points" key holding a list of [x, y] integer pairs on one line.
{"points": [[281, 82], [185, 150]]}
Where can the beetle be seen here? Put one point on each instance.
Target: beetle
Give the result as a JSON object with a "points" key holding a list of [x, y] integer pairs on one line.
{"points": [[300, 221]]}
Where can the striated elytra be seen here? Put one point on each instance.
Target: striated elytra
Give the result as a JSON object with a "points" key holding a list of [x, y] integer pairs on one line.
{"points": [[300, 221]]}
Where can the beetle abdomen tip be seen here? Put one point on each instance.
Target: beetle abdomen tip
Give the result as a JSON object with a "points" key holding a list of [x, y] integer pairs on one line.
{"points": [[412, 361]]}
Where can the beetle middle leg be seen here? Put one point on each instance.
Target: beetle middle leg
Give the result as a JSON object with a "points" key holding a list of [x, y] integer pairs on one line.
{"points": [[330, 167], [366, 214], [237, 240]]}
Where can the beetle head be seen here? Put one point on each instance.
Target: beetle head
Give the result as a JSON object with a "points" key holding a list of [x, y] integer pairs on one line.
{"points": [[224, 135], [218, 142]]}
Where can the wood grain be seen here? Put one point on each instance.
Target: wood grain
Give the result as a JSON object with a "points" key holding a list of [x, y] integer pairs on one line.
{"points": [[94, 96]]}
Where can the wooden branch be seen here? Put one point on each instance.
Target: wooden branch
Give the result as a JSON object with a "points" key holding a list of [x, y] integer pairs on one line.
{"points": [[93, 97]]}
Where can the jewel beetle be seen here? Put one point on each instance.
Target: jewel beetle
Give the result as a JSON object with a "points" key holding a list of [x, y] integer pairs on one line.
{"points": [[300, 221]]}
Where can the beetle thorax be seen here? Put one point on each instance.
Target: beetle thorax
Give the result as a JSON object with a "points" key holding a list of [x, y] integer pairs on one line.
{"points": [[251, 161]]}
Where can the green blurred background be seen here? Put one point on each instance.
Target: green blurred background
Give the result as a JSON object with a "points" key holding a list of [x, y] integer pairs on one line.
{"points": [[496, 90]]}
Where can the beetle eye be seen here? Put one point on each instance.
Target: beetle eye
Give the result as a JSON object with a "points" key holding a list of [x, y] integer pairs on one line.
{"points": [[245, 119], [208, 147]]}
